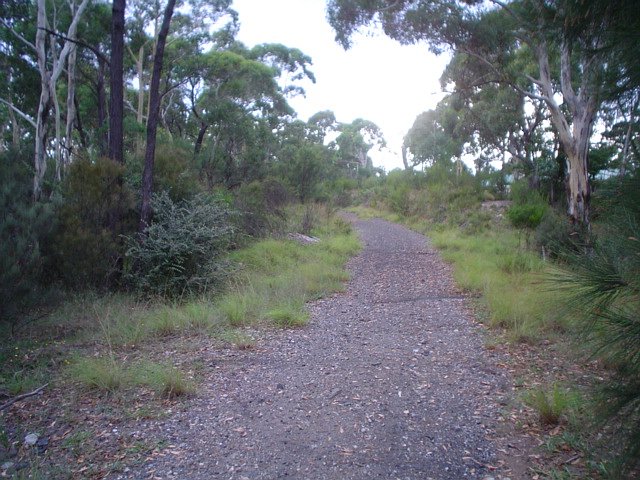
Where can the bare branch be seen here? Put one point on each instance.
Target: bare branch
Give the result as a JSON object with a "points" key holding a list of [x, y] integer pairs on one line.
{"points": [[22, 397], [19, 112], [93, 49], [22, 39]]}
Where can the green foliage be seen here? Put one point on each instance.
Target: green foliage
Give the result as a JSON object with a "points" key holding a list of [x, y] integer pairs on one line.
{"points": [[166, 380], [439, 194], [182, 251], [554, 405], [172, 171], [104, 374], [97, 208], [107, 374], [23, 226], [277, 277], [604, 287], [492, 262], [528, 207], [554, 233], [261, 206], [526, 216]]}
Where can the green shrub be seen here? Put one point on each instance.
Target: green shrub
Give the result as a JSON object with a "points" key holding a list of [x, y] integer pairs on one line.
{"points": [[554, 233], [528, 207], [100, 373], [260, 204], [23, 225], [527, 215], [182, 250], [97, 208], [166, 380]]}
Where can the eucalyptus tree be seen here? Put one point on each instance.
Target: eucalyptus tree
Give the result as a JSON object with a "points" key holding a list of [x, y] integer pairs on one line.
{"points": [[321, 124], [51, 62], [355, 141], [204, 12], [435, 136], [568, 61], [20, 80]]}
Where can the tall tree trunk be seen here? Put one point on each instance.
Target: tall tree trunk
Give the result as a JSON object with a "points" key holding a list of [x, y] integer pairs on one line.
{"points": [[116, 108], [140, 71], [56, 108], [71, 107], [16, 131], [405, 161], [575, 138], [200, 139], [152, 122], [102, 109], [44, 104], [83, 136]]}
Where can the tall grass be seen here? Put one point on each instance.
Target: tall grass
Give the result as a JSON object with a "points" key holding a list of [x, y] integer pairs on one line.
{"points": [[277, 277], [509, 278]]}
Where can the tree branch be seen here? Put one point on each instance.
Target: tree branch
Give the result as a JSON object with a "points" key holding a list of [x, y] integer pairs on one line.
{"points": [[19, 112], [95, 51], [565, 78], [22, 39], [22, 397]]}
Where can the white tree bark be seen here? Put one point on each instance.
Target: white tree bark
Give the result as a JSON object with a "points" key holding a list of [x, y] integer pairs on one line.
{"points": [[574, 137], [71, 108], [48, 81]]}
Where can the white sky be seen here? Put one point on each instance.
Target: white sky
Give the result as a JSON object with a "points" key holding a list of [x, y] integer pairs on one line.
{"points": [[377, 79]]}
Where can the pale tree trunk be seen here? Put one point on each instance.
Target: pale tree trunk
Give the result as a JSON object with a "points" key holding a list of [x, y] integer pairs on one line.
{"points": [[56, 109], [48, 80], [44, 104], [627, 137], [575, 138], [140, 71], [116, 109], [405, 161], [71, 107], [139, 61], [16, 131]]}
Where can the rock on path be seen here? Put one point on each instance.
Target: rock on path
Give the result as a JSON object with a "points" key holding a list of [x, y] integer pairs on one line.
{"points": [[390, 380]]}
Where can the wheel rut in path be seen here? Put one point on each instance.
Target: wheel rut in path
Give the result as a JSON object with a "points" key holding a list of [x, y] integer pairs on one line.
{"points": [[390, 380]]}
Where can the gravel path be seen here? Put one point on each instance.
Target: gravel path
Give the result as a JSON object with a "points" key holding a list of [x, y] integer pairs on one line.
{"points": [[390, 380]]}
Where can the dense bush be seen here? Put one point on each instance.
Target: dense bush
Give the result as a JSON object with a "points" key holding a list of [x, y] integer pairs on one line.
{"points": [[260, 205], [553, 233], [528, 207], [526, 216], [97, 209], [23, 224], [182, 250]]}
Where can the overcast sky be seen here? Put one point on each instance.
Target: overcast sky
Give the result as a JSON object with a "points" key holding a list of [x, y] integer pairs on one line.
{"points": [[377, 79]]}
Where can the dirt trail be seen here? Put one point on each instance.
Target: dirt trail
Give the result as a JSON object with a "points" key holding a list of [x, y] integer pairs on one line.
{"points": [[390, 380]]}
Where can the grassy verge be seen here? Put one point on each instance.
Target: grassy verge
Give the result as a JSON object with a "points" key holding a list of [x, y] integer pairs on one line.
{"points": [[115, 358]]}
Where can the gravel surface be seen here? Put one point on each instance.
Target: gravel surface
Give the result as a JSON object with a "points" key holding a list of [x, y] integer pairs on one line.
{"points": [[390, 380]]}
